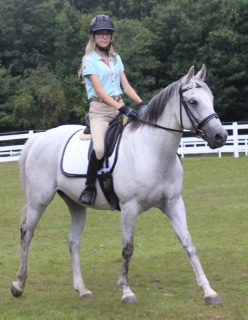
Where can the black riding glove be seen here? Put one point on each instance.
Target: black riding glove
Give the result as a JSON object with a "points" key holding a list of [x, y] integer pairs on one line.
{"points": [[128, 112]]}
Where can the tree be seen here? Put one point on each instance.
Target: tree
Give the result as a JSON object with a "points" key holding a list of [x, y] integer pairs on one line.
{"points": [[27, 34], [211, 32], [225, 52], [158, 41], [134, 44], [40, 103], [8, 87]]}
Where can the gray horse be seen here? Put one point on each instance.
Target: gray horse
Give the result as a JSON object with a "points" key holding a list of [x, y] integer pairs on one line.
{"points": [[148, 174]]}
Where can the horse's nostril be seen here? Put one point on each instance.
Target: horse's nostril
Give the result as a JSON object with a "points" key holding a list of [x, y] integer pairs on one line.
{"points": [[218, 137], [221, 138]]}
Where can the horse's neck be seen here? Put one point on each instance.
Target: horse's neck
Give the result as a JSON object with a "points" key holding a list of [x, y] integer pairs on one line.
{"points": [[161, 143], [166, 139], [164, 142]]}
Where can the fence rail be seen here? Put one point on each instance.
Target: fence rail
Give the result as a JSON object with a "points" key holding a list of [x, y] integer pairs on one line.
{"points": [[13, 151], [237, 143]]}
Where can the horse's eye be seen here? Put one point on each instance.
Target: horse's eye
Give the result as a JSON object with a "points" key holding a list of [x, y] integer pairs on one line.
{"points": [[193, 102]]}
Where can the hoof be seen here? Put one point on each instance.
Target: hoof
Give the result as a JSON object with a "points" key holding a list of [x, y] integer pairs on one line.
{"points": [[15, 290], [87, 296], [213, 300], [130, 300]]}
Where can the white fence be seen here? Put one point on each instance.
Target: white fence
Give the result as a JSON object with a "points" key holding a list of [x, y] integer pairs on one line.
{"points": [[13, 151], [237, 143]]}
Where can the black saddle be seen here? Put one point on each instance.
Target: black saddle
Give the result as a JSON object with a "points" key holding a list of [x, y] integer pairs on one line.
{"points": [[114, 133], [115, 129]]}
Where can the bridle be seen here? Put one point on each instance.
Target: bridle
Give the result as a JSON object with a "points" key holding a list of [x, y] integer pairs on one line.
{"points": [[199, 128]]}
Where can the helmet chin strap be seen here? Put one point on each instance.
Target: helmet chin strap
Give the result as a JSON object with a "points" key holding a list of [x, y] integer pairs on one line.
{"points": [[103, 49]]}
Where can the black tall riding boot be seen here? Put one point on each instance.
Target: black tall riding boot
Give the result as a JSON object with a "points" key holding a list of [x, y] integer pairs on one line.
{"points": [[88, 196]]}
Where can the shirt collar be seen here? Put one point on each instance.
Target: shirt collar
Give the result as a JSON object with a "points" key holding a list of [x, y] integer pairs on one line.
{"points": [[96, 56]]}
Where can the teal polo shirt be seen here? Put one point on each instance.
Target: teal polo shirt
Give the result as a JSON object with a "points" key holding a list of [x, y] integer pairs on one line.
{"points": [[108, 75]]}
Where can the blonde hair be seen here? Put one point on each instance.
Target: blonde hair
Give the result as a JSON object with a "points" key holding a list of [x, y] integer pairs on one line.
{"points": [[90, 47]]}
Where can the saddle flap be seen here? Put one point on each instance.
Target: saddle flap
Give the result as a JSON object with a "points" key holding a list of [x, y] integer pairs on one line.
{"points": [[115, 128]]}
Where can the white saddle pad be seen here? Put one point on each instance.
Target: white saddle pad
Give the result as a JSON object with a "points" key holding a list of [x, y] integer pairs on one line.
{"points": [[74, 161]]}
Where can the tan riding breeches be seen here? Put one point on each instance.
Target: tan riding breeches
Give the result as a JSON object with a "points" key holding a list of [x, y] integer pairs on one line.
{"points": [[100, 115]]}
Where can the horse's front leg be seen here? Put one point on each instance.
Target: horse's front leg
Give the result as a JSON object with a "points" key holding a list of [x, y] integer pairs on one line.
{"points": [[175, 210], [128, 228]]}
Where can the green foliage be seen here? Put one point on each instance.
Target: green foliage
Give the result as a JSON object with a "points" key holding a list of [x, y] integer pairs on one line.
{"points": [[40, 102], [76, 99], [137, 55], [8, 87], [224, 50], [158, 41], [69, 44]]}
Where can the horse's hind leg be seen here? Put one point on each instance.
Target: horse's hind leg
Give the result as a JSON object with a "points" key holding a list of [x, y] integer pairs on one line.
{"points": [[78, 220], [177, 214], [27, 232]]}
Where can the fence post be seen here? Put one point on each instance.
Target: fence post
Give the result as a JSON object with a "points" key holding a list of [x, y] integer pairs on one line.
{"points": [[30, 132], [235, 140]]}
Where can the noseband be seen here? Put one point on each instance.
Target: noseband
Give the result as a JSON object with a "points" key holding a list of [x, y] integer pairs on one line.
{"points": [[198, 130]]}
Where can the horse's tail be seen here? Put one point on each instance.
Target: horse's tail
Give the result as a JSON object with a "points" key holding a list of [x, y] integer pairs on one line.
{"points": [[22, 160]]}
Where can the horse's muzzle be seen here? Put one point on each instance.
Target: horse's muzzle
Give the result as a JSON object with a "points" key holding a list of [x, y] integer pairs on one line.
{"points": [[219, 140]]}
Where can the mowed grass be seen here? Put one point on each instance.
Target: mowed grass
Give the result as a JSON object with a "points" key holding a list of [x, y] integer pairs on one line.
{"points": [[215, 194]]}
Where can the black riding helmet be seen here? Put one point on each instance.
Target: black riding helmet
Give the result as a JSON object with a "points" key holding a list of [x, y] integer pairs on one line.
{"points": [[102, 22]]}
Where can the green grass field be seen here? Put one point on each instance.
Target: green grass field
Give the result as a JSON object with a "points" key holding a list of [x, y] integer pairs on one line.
{"points": [[215, 193]]}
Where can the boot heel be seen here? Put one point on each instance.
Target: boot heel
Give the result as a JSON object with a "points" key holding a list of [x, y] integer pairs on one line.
{"points": [[88, 196]]}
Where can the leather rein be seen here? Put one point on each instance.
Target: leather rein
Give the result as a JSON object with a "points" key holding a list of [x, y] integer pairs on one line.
{"points": [[199, 128]]}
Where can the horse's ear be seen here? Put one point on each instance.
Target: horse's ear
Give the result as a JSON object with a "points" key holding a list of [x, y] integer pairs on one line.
{"points": [[189, 75], [202, 73]]}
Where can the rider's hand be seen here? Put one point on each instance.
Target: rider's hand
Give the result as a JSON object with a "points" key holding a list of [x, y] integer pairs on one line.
{"points": [[128, 112]]}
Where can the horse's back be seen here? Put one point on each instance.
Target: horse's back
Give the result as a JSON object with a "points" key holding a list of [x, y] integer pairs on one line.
{"points": [[40, 159], [61, 132], [53, 138]]}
